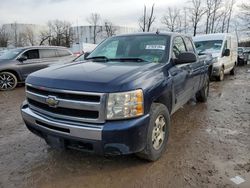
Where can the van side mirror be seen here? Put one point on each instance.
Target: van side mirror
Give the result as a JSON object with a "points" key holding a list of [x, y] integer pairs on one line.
{"points": [[185, 57], [22, 58], [226, 52], [86, 55]]}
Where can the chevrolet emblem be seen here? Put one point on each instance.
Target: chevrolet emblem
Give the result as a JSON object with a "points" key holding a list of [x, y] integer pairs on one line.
{"points": [[52, 101]]}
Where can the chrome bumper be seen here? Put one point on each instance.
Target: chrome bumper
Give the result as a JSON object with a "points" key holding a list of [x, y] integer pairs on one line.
{"points": [[83, 131]]}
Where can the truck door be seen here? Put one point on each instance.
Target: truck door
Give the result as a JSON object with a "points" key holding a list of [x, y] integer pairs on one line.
{"points": [[182, 83], [196, 68]]}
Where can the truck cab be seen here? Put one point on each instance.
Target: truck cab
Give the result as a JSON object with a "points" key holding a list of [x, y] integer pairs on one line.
{"points": [[120, 99]]}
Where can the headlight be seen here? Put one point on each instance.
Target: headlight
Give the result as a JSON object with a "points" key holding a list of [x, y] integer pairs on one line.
{"points": [[125, 105]]}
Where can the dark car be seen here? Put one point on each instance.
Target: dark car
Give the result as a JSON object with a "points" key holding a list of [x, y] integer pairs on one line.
{"points": [[17, 64], [120, 99]]}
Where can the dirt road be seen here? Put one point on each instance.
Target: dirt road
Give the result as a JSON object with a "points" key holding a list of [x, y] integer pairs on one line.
{"points": [[209, 144]]}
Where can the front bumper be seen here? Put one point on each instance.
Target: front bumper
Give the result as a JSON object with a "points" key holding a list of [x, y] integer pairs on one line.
{"points": [[112, 137]]}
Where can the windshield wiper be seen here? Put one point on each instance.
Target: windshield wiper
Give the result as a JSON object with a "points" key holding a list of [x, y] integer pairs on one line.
{"points": [[99, 58], [129, 59]]}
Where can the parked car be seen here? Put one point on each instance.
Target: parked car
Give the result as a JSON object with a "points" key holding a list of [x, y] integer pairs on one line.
{"points": [[118, 101], [243, 55], [17, 64], [223, 48], [81, 48]]}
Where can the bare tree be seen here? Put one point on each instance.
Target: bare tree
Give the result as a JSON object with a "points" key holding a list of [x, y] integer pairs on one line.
{"points": [[209, 12], [94, 20], [110, 30], [45, 36], [244, 16], [172, 19], [30, 35], [216, 7], [59, 33], [196, 13], [146, 21], [4, 37], [231, 5]]}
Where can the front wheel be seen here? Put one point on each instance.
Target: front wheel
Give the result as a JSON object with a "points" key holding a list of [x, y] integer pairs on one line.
{"points": [[8, 81], [221, 75], [158, 132]]}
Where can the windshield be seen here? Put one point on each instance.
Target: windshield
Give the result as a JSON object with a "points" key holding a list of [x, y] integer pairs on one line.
{"points": [[212, 46], [146, 48], [11, 54]]}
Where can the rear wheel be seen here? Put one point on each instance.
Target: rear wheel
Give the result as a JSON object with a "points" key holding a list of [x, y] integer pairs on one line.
{"points": [[8, 81], [157, 135], [202, 95], [232, 72]]}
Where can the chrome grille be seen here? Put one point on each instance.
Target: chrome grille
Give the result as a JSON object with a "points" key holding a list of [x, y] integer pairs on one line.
{"points": [[70, 105]]}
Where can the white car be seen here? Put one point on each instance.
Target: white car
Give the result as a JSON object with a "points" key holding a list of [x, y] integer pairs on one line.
{"points": [[223, 47]]}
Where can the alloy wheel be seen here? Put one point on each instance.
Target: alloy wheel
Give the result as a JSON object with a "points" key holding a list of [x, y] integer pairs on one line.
{"points": [[159, 131]]}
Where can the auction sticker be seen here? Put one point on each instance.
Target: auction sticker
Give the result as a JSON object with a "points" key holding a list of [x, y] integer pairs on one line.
{"points": [[155, 47]]}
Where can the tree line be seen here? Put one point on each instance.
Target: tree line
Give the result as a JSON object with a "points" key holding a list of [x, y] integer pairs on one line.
{"points": [[200, 16]]}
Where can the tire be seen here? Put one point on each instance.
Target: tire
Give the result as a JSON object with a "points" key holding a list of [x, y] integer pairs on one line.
{"points": [[221, 75], [202, 95], [8, 81], [157, 134], [232, 72]]}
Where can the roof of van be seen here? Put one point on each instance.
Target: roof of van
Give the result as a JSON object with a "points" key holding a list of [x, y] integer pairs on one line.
{"points": [[213, 36]]}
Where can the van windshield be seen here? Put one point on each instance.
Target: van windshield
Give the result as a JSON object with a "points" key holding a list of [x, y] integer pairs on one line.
{"points": [[211, 46], [11, 54], [133, 48]]}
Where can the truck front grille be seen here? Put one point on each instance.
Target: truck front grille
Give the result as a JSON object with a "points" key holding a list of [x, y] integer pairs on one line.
{"points": [[70, 105]]}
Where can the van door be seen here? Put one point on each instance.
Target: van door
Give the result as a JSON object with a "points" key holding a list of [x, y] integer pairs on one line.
{"points": [[227, 60]]}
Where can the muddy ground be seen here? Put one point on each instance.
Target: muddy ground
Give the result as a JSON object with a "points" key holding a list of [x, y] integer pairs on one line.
{"points": [[209, 144]]}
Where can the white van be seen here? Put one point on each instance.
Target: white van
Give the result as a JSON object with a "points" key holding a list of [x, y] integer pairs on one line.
{"points": [[223, 47]]}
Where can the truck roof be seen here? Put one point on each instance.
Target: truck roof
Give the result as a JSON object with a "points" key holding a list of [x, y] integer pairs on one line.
{"points": [[155, 33], [212, 36]]}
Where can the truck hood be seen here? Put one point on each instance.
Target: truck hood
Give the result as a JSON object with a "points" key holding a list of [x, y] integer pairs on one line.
{"points": [[92, 76]]}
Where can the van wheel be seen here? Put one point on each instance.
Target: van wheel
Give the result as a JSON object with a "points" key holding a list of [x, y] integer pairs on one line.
{"points": [[202, 95], [158, 132], [221, 75], [232, 72], [8, 81]]}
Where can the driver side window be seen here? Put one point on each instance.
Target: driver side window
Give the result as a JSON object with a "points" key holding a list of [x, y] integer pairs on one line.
{"points": [[178, 46]]}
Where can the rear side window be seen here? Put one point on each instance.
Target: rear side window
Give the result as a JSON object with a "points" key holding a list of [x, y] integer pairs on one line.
{"points": [[178, 46], [32, 54], [189, 44], [63, 52], [47, 53]]}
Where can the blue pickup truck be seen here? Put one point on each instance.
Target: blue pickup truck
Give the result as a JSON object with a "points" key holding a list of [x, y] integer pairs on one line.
{"points": [[119, 100]]}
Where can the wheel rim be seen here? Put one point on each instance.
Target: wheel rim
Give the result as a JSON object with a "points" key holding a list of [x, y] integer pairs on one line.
{"points": [[6, 81], [159, 131]]}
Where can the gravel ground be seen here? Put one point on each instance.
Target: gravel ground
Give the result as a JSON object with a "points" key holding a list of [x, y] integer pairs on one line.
{"points": [[209, 144]]}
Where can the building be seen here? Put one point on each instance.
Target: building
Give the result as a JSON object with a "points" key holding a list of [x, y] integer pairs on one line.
{"points": [[23, 34]]}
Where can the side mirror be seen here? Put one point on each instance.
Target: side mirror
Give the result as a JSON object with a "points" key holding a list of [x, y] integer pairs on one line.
{"points": [[185, 57], [86, 55], [226, 52], [22, 58]]}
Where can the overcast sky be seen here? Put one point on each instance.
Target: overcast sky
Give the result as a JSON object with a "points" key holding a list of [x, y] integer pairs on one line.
{"points": [[120, 12]]}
